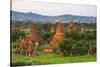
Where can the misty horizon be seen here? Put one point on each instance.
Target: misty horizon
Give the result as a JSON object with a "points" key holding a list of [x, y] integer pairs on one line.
{"points": [[53, 9], [53, 15]]}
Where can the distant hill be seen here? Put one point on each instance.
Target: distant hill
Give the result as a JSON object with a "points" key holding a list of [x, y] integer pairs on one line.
{"points": [[37, 17]]}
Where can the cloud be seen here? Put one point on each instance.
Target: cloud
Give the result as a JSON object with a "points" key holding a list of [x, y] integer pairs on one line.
{"points": [[46, 8]]}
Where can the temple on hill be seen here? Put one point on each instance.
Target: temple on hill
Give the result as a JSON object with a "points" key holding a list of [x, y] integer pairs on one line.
{"points": [[27, 44], [52, 28], [58, 36], [70, 26]]}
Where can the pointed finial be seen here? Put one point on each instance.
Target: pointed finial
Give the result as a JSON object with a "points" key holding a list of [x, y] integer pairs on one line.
{"points": [[59, 20]]}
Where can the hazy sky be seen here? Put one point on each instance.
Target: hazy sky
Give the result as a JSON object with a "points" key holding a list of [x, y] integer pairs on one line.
{"points": [[52, 9]]}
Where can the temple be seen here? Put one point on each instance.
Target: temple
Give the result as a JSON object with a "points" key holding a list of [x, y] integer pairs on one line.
{"points": [[70, 26], [30, 42], [33, 35], [82, 29], [58, 36]]}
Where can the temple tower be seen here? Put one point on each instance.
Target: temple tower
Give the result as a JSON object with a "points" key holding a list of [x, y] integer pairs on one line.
{"points": [[83, 29], [32, 39], [33, 35], [58, 36], [70, 26]]}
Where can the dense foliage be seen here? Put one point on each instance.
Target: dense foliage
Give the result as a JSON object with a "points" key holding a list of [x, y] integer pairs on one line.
{"points": [[47, 36], [81, 36], [16, 34], [76, 43]]}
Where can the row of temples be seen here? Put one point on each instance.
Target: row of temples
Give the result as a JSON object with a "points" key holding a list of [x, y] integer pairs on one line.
{"points": [[29, 44], [59, 35], [69, 28]]}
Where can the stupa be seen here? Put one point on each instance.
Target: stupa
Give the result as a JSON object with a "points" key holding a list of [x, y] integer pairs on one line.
{"points": [[70, 26], [58, 36], [34, 36], [26, 44], [82, 29]]}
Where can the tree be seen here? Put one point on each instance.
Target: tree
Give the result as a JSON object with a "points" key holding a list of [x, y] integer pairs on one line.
{"points": [[73, 47], [80, 48], [65, 46], [47, 36], [16, 34]]}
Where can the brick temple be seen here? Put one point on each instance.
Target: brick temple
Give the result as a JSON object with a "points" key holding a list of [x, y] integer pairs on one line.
{"points": [[58, 36], [33, 35], [70, 26], [31, 41]]}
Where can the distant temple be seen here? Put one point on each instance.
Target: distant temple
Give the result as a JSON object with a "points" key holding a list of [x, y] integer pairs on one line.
{"points": [[52, 28], [70, 26], [83, 29], [58, 36]]}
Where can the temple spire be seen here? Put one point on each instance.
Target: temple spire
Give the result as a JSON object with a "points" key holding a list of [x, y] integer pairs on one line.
{"points": [[59, 28], [58, 36], [70, 26]]}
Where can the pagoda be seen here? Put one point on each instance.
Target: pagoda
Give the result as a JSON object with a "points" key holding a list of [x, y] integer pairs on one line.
{"points": [[33, 35], [82, 29], [58, 36], [70, 26], [28, 43], [52, 28]]}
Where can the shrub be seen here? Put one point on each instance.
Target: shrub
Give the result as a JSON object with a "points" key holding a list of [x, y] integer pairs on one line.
{"points": [[81, 36], [65, 46], [72, 47], [80, 48], [47, 36], [16, 34]]}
